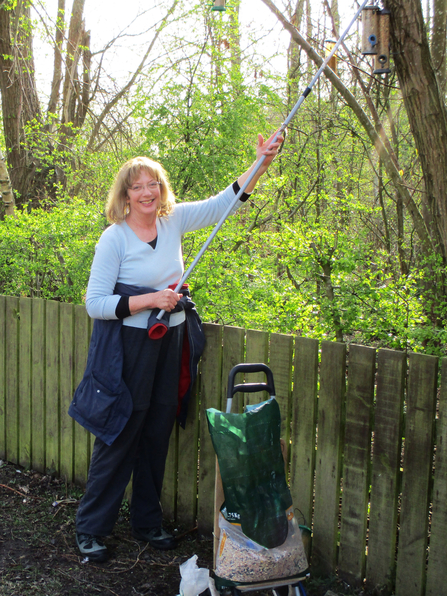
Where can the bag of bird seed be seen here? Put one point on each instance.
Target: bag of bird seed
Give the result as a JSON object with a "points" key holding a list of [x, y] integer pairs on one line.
{"points": [[251, 464], [240, 560]]}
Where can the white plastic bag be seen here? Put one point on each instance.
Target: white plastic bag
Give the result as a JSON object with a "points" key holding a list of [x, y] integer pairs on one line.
{"points": [[194, 580]]}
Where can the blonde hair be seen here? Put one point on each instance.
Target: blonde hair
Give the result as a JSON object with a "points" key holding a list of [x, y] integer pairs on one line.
{"points": [[115, 209]]}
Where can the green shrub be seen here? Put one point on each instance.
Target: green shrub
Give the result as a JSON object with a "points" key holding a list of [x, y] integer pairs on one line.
{"points": [[48, 253]]}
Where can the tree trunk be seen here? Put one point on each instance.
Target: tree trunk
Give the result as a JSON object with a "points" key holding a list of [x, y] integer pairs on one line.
{"points": [[438, 42], [294, 52], [235, 40], [425, 107], [6, 189], [57, 61], [71, 95], [20, 102]]}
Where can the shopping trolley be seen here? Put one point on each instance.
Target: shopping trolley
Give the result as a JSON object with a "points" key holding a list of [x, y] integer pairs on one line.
{"points": [[240, 564]]}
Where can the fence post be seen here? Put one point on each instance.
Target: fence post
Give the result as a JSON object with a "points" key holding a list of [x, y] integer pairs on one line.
{"points": [[437, 568], [3, 349], [356, 463], [210, 392], [12, 372], [304, 417], [381, 560], [417, 464], [330, 422], [24, 383]]}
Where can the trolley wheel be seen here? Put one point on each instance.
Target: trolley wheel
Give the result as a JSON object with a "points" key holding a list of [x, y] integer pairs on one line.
{"points": [[227, 591], [298, 590]]}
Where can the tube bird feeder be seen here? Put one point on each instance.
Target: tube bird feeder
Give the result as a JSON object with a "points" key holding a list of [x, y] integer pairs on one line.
{"points": [[382, 58], [219, 5], [370, 34]]}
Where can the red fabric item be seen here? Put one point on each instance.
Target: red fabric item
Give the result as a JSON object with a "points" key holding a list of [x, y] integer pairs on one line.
{"points": [[157, 331], [184, 287], [185, 373]]}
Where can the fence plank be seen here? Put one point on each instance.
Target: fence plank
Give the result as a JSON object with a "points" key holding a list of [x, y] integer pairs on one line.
{"points": [[66, 390], [169, 488], [418, 459], [24, 383], [11, 379], [3, 349], [38, 385], [52, 388], [187, 463], [257, 350], [280, 362], [304, 415], [82, 437], [233, 353], [328, 459], [437, 568], [356, 463], [381, 560], [210, 392], [171, 480]]}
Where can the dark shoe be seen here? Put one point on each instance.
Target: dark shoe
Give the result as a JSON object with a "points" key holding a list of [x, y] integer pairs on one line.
{"points": [[157, 538], [92, 547]]}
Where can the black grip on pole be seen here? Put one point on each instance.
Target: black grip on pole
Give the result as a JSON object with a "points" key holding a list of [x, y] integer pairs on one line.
{"points": [[250, 387], [306, 91]]}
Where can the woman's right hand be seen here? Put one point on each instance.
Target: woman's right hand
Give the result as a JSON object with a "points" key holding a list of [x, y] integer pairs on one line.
{"points": [[166, 299]]}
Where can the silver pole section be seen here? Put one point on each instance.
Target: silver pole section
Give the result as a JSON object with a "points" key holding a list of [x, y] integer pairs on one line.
{"points": [[294, 110]]}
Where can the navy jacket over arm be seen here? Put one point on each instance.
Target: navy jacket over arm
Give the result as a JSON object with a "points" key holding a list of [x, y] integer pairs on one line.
{"points": [[102, 402]]}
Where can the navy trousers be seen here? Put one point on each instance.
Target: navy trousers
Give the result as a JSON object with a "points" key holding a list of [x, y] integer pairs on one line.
{"points": [[151, 371]]}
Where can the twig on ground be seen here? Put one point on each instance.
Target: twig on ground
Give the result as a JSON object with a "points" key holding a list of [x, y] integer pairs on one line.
{"points": [[14, 490], [186, 533], [82, 581]]}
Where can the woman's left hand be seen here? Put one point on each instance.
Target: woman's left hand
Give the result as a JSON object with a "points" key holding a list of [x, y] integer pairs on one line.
{"points": [[268, 148]]}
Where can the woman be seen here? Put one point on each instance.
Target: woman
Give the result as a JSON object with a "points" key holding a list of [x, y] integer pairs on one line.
{"points": [[129, 394]]}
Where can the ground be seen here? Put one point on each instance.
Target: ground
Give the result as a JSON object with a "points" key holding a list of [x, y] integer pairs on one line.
{"points": [[38, 555]]}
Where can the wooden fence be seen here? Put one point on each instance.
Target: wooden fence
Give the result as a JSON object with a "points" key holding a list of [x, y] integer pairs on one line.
{"points": [[366, 433]]}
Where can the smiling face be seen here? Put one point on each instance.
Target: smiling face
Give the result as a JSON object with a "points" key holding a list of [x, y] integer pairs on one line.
{"points": [[143, 197]]}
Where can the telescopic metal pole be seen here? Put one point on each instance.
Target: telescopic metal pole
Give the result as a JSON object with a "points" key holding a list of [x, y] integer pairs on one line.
{"points": [[286, 122]]}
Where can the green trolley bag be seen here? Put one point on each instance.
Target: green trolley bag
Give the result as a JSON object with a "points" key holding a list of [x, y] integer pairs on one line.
{"points": [[251, 463]]}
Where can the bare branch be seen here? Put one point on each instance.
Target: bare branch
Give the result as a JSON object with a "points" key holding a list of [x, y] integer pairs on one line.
{"points": [[131, 81]]}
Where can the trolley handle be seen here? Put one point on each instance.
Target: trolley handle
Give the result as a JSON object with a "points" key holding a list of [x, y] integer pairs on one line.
{"points": [[252, 388], [249, 387]]}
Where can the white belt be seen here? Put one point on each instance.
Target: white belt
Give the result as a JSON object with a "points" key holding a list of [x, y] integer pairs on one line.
{"points": [[140, 319]]}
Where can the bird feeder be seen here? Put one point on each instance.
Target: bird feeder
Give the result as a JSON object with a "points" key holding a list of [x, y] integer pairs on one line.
{"points": [[382, 58], [329, 46], [219, 5], [370, 36]]}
